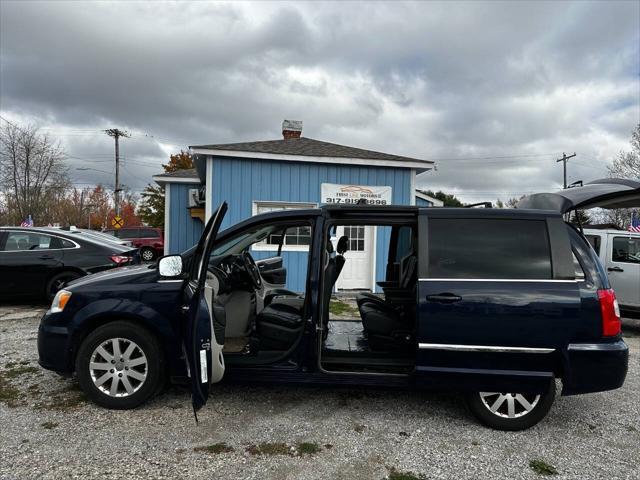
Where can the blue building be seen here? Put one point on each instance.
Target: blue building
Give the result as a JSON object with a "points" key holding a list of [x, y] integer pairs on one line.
{"points": [[294, 172]]}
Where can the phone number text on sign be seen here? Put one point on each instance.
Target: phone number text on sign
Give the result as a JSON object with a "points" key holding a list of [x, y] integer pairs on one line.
{"points": [[355, 194]]}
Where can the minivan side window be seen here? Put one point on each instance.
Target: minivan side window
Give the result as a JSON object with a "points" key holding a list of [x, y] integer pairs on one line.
{"points": [[594, 240], [489, 249], [626, 249], [149, 233]]}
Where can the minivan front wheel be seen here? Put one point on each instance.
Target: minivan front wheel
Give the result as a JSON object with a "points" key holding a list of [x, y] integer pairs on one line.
{"points": [[511, 411], [119, 365]]}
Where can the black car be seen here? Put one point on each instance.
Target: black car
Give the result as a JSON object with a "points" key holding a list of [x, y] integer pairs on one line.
{"points": [[495, 303], [37, 262]]}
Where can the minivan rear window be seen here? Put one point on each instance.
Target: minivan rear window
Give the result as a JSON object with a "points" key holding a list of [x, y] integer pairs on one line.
{"points": [[489, 249]]}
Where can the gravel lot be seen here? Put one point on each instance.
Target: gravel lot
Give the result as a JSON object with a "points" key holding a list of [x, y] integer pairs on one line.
{"points": [[48, 430]]}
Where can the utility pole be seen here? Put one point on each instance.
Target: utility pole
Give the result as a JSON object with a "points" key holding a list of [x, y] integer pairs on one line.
{"points": [[564, 159], [116, 134]]}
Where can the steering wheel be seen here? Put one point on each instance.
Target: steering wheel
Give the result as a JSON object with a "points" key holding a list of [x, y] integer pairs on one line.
{"points": [[252, 269]]}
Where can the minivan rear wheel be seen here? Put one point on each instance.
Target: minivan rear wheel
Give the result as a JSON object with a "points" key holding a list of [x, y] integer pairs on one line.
{"points": [[511, 411], [119, 365]]}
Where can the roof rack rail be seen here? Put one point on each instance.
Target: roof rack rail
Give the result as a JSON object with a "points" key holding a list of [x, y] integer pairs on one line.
{"points": [[480, 204]]}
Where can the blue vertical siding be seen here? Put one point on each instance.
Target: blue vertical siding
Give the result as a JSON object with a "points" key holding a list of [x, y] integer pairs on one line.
{"points": [[184, 231], [240, 182]]}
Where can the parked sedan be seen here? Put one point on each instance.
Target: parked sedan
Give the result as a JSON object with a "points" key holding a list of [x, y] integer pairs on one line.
{"points": [[37, 262]]}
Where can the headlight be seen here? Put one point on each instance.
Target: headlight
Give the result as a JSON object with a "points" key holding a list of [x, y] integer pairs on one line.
{"points": [[60, 301]]}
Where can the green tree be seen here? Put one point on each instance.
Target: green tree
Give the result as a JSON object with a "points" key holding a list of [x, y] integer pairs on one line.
{"points": [[447, 199], [151, 209]]}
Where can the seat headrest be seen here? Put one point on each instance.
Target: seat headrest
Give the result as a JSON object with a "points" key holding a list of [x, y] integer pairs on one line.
{"points": [[343, 245]]}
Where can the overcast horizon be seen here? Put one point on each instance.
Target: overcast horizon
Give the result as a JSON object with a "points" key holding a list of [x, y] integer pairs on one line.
{"points": [[493, 92]]}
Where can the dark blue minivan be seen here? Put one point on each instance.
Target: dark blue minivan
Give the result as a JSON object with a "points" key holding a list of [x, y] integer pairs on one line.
{"points": [[498, 304]]}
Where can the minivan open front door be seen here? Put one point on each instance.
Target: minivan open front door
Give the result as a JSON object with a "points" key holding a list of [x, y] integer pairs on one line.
{"points": [[604, 193], [203, 328]]}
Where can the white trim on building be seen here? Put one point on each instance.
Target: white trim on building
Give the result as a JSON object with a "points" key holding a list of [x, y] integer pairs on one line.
{"points": [[434, 201], [419, 165], [167, 216], [162, 179]]}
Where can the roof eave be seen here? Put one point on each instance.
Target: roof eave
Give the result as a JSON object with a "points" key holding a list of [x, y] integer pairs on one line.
{"points": [[163, 179], [419, 165]]}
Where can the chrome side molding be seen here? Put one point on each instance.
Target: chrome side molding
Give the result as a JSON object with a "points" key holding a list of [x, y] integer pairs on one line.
{"points": [[482, 348]]}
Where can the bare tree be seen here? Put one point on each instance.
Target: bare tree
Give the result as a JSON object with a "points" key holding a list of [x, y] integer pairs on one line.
{"points": [[31, 167], [627, 164]]}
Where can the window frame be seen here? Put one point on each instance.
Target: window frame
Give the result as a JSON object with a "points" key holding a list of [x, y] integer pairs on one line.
{"points": [[627, 238], [283, 247], [562, 267], [3, 244]]}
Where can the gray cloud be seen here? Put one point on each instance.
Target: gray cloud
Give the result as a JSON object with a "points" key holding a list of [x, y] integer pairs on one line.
{"points": [[433, 80]]}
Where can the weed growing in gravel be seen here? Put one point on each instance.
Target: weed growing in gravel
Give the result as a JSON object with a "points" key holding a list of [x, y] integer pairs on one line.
{"points": [[336, 307], [277, 448], [398, 475], [280, 448], [359, 428], [9, 395], [14, 370], [68, 398], [216, 448], [542, 468], [49, 425], [308, 448]]}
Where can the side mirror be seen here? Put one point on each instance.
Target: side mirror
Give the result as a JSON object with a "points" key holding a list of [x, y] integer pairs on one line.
{"points": [[170, 266]]}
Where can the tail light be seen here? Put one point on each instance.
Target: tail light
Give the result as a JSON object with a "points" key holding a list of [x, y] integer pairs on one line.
{"points": [[120, 259], [611, 323]]}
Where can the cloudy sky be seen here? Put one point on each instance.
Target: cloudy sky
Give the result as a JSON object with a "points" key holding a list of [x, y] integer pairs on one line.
{"points": [[493, 92]]}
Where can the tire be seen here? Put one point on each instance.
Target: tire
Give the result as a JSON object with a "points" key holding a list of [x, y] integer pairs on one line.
{"points": [[148, 254], [56, 282], [521, 418], [145, 361]]}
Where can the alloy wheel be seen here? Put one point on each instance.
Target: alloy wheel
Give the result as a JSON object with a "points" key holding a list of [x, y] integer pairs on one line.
{"points": [[509, 405], [118, 367], [147, 255]]}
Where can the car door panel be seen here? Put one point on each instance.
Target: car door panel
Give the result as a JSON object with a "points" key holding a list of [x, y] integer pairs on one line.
{"points": [[491, 333], [203, 330], [623, 268], [273, 272]]}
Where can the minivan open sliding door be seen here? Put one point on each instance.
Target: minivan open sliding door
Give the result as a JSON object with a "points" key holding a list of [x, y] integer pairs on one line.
{"points": [[497, 299], [203, 330]]}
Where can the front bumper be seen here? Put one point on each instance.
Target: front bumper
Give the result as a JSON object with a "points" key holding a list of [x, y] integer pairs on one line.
{"points": [[594, 367], [54, 345]]}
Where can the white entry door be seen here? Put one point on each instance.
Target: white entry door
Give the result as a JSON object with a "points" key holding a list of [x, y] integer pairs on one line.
{"points": [[357, 273]]}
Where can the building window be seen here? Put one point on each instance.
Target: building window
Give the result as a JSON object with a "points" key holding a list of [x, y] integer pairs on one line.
{"points": [[295, 238]]}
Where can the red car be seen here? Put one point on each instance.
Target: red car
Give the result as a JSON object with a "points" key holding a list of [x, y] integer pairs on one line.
{"points": [[149, 240]]}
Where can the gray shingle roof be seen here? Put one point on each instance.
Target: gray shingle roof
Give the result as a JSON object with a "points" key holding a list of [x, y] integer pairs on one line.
{"points": [[184, 173], [307, 147]]}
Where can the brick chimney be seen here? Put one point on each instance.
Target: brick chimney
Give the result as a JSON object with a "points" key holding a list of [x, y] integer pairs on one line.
{"points": [[291, 129]]}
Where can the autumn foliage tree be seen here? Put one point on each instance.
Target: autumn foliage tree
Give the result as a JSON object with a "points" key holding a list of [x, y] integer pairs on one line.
{"points": [[151, 209]]}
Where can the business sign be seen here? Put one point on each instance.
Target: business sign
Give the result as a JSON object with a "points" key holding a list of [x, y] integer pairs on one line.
{"points": [[333, 194]]}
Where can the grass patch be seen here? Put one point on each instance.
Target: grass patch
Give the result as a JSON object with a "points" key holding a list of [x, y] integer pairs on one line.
{"points": [[68, 398], [542, 468], [398, 475], [281, 448], [336, 307], [277, 448], [216, 448], [359, 428], [49, 425], [308, 448], [14, 370], [9, 395]]}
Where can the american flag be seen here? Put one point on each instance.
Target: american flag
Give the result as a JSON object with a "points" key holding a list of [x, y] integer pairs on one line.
{"points": [[28, 222], [635, 223]]}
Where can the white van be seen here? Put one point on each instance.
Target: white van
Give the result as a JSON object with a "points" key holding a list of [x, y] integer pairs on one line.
{"points": [[619, 252]]}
